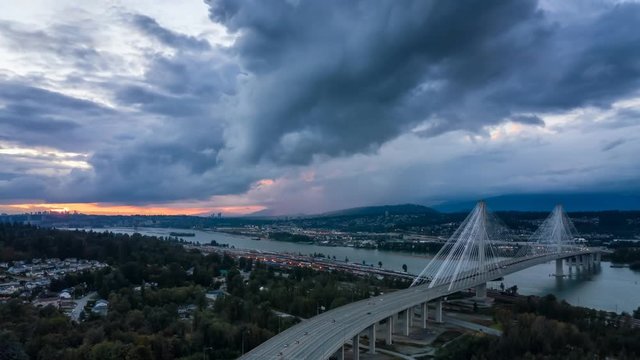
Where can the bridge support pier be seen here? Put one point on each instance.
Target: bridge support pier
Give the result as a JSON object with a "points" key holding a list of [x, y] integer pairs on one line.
{"points": [[438, 314], [340, 353], [372, 339], [425, 314], [405, 322], [587, 261], [559, 268], [481, 291], [388, 339], [575, 262], [356, 347], [411, 315], [598, 258]]}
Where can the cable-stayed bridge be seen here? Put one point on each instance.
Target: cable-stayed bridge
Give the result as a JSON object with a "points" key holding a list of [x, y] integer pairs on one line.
{"points": [[480, 250]]}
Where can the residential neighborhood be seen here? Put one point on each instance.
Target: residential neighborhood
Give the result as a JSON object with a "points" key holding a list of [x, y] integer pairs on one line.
{"points": [[30, 280]]}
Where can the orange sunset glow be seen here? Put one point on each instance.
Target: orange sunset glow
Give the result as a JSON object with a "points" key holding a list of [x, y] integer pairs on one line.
{"points": [[108, 209]]}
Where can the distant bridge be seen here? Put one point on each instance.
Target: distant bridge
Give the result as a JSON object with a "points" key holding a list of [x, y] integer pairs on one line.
{"points": [[479, 251]]}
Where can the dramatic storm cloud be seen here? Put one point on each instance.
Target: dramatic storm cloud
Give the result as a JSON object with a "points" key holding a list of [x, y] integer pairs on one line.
{"points": [[306, 106]]}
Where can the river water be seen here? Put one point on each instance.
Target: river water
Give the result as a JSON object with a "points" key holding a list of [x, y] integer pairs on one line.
{"points": [[611, 289]]}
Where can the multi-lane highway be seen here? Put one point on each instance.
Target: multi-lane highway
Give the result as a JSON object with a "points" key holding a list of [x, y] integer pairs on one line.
{"points": [[322, 335]]}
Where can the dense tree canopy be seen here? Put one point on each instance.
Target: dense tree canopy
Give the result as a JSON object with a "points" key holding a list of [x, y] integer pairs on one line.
{"points": [[148, 288]]}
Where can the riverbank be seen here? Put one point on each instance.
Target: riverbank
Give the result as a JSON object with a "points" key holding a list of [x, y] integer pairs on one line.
{"points": [[607, 288]]}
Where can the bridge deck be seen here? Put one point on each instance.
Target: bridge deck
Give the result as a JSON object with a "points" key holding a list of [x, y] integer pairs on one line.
{"points": [[322, 335]]}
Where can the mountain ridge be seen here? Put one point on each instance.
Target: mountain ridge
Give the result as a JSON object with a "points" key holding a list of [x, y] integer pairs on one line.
{"points": [[398, 209], [574, 202]]}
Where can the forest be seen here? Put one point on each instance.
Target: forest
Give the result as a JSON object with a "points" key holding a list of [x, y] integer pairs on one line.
{"points": [[627, 254], [144, 321], [545, 328]]}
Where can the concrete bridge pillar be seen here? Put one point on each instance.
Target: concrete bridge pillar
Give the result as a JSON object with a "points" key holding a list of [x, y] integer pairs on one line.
{"points": [[340, 353], [372, 338], [411, 315], [481, 291], [576, 263], [388, 339], [356, 347], [438, 314], [425, 314], [405, 322], [598, 257], [559, 268]]}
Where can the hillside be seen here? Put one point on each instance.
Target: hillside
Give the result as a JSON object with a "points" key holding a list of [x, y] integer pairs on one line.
{"points": [[402, 209]]}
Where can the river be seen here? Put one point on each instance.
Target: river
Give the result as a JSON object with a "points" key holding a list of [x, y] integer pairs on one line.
{"points": [[611, 289]]}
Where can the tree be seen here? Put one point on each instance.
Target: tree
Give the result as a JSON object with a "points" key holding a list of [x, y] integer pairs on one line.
{"points": [[404, 267], [139, 352], [10, 348]]}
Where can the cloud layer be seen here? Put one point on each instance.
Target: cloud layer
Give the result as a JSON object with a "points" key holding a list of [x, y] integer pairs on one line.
{"points": [[336, 103]]}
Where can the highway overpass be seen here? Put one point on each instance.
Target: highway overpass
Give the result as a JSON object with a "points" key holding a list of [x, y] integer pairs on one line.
{"points": [[469, 259], [324, 335]]}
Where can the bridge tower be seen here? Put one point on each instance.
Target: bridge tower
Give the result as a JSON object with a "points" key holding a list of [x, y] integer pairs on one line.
{"points": [[469, 255], [556, 234]]}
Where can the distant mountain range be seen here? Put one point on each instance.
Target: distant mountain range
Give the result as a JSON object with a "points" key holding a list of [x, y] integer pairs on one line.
{"points": [[514, 202], [546, 202], [402, 209]]}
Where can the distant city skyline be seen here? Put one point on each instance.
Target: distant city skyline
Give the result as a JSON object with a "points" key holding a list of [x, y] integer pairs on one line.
{"points": [[286, 107]]}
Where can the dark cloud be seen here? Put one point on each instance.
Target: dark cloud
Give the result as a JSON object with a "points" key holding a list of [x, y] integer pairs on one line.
{"points": [[159, 142], [366, 74], [528, 120], [613, 144], [35, 116], [306, 83], [180, 158], [181, 86], [151, 27], [623, 118], [64, 44]]}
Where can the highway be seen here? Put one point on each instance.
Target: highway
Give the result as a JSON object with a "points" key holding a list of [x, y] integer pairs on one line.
{"points": [[321, 336]]}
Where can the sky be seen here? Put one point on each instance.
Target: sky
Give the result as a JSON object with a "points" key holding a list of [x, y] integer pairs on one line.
{"points": [[294, 106]]}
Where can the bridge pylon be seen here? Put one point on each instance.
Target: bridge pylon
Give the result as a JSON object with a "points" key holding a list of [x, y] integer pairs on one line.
{"points": [[469, 255], [556, 235]]}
